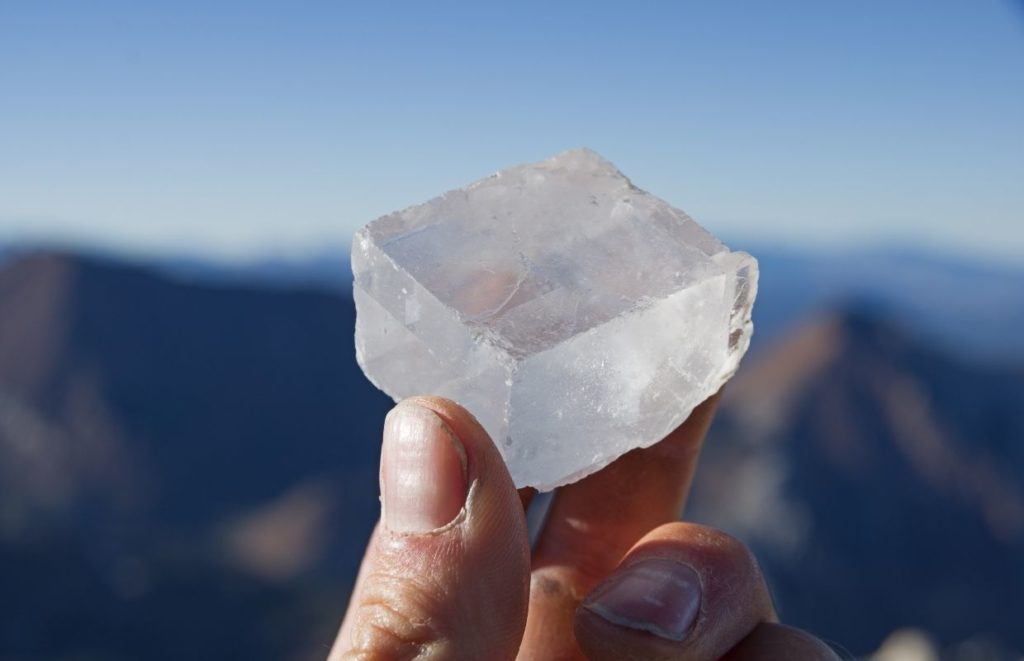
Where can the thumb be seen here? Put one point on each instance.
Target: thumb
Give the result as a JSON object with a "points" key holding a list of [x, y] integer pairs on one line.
{"points": [[446, 574]]}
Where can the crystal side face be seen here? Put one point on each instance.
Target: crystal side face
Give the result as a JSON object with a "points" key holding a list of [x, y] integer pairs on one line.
{"points": [[575, 315]]}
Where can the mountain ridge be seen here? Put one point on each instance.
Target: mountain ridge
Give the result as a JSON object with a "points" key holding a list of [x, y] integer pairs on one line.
{"points": [[867, 460], [200, 454]]}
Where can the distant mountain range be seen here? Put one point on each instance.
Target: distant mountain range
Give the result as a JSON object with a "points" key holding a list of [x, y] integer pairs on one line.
{"points": [[968, 307], [188, 463], [880, 481], [182, 467]]}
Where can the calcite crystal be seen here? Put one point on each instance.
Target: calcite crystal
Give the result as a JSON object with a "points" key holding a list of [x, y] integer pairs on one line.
{"points": [[575, 315]]}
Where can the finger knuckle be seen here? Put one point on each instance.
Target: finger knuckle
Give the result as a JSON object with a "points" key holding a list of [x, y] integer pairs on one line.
{"points": [[398, 618]]}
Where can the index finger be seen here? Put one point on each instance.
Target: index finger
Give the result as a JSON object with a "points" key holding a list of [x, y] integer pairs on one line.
{"points": [[592, 523]]}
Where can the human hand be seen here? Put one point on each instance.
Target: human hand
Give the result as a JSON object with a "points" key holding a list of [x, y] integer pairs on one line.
{"points": [[448, 573]]}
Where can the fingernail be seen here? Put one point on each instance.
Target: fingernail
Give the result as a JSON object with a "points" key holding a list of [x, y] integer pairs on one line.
{"points": [[656, 595], [423, 471]]}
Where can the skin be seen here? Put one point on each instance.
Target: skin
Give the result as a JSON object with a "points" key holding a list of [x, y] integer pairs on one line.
{"points": [[472, 589]]}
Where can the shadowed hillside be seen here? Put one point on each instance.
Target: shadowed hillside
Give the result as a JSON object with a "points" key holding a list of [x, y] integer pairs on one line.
{"points": [[177, 463], [882, 483], [189, 471]]}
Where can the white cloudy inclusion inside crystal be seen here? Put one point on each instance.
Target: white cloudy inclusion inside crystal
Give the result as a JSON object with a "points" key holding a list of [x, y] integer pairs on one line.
{"points": [[575, 315]]}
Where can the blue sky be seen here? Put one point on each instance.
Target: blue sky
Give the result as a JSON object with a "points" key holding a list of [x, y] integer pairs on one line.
{"points": [[246, 129]]}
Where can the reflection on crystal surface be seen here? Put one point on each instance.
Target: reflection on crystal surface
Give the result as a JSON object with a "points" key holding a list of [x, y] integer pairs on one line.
{"points": [[575, 315]]}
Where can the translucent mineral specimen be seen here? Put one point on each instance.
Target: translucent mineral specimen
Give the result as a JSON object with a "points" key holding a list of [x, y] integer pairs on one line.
{"points": [[575, 315]]}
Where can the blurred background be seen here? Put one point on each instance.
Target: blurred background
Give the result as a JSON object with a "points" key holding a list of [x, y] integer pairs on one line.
{"points": [[188, 451]]}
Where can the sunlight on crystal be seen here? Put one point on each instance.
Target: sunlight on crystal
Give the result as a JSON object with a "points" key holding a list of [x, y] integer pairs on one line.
{"points": [[575, 315]]}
